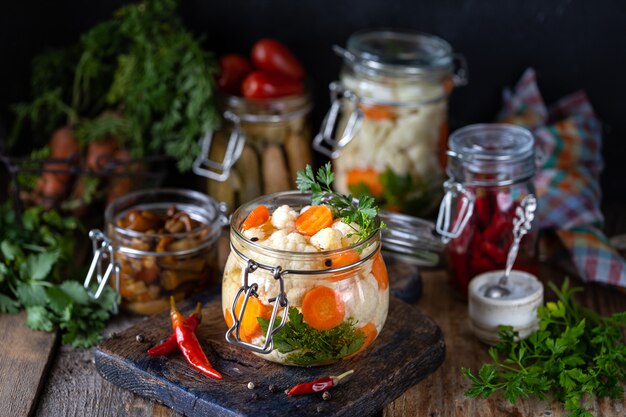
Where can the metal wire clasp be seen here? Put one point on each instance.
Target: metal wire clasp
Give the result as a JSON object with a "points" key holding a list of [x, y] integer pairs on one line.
{"points": [[103, 255], [220, 170], [325, 142], [446, 227], [233, 335]]}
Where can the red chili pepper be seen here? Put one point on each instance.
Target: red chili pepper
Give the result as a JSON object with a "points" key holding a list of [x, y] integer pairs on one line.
{"points": [[171, 345], [482, 207], [319, 385], [189, 345]]}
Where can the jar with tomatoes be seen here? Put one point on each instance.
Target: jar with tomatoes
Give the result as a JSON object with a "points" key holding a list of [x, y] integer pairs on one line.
{"points": [[490, 169], [389, 118], [265, 136]]}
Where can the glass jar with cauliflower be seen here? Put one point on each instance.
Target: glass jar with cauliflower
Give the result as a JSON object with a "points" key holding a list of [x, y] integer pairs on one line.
{"points": [[394, 86], [326, 284]]}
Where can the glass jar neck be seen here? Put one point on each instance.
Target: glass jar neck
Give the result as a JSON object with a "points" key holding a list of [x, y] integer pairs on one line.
{"points": [[201, 208], [267, 110], [491, 155], [246, 249]]}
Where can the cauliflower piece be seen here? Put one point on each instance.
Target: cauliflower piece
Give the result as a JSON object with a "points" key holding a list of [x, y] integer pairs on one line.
{"points": [[293, 242], [327, 239], [362, 304], [295, 295], [260, 232], [349, 237], [284, 217]]}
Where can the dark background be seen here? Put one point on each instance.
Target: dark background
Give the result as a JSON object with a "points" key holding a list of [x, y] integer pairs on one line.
{"points": [[572, 45]]}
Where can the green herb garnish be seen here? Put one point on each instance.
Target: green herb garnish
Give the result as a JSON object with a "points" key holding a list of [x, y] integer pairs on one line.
{"points": [[362, 213], [575, 355], [307, 346], [33, 262]]}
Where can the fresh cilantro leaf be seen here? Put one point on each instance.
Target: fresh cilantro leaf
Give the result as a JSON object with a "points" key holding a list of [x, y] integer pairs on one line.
{"points": [[76, 292], [32, 259], [8, 305], [10, 251], [575, 355], [31, 294], [307, 346], [37, 318], [39, 266]]}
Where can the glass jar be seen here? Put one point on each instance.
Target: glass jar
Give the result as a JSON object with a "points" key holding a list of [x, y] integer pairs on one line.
{"points": [[490, 169], [158, 243], [301, 296], [393, 98], [259, 149]]}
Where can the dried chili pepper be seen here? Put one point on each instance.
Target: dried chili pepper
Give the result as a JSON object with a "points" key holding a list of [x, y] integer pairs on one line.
{"points": [[189, 345], [319, 385], [171, 345]]}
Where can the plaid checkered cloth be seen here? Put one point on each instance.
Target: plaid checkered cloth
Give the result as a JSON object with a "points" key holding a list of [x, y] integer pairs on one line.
{"points": [[569, 139]]}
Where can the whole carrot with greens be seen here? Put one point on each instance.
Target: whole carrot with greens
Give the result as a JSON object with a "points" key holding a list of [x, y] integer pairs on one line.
{"points": [[189, 345]]}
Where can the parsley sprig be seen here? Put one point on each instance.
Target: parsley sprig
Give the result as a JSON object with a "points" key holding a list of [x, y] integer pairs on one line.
{"points": [[34, 262], [308, 346], [362, 212], [575, 355]]}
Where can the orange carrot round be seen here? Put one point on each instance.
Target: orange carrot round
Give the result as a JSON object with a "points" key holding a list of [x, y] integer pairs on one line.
{"points": [[313, 220], [369, 177], [370, 334], [322, 308], [256, 218], [250, 327], [379, 270], [342, 259]]}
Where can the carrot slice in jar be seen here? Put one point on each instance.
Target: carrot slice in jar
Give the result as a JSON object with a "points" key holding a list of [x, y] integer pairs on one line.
{"points": [[313, 220], [368, 177], [370, 334], [256, 218], [343, 259], [250, 327], [322, 308], [379, 270]]}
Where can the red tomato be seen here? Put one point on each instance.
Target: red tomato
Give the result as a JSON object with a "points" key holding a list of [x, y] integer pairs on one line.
{"points": [[261, 84], [233, 69], [272, 56]]}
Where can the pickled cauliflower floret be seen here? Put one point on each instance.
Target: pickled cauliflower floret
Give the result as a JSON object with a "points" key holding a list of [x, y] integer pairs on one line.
{"points": [[327, 239], [293, 242], [284, 217], [349, 236], [260, 232]]}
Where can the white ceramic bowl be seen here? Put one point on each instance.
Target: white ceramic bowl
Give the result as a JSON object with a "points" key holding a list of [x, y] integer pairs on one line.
{"points": [[519, 309]]}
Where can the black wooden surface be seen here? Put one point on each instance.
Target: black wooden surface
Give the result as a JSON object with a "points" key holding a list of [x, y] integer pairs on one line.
{"points": [[409, 348]]}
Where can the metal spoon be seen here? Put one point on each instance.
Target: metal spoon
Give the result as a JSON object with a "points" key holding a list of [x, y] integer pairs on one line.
{"points": [[524, 215]]}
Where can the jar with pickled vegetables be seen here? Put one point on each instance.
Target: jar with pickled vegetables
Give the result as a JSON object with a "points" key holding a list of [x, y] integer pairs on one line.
{"points": [[302, 290], [390, 111], [490, 169], [259, 150], [158, 243]]}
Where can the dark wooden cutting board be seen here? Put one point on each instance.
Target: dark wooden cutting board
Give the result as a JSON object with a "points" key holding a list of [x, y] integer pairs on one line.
{"points": [[409, 348]]}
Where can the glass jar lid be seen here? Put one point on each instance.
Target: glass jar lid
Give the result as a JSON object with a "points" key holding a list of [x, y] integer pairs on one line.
{"points": [[399, 53], [506, 153]]}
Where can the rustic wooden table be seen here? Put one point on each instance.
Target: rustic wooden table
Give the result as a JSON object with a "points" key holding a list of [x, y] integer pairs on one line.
{"points": [[41, 378]]}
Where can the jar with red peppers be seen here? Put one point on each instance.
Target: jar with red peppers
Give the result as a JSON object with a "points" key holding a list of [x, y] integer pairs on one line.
{"points": [[490, 170]]}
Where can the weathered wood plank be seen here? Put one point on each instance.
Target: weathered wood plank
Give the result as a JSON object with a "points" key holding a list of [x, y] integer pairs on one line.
{"points": [[409, 348], [24, 359], [441, 394], [74, 388]]}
